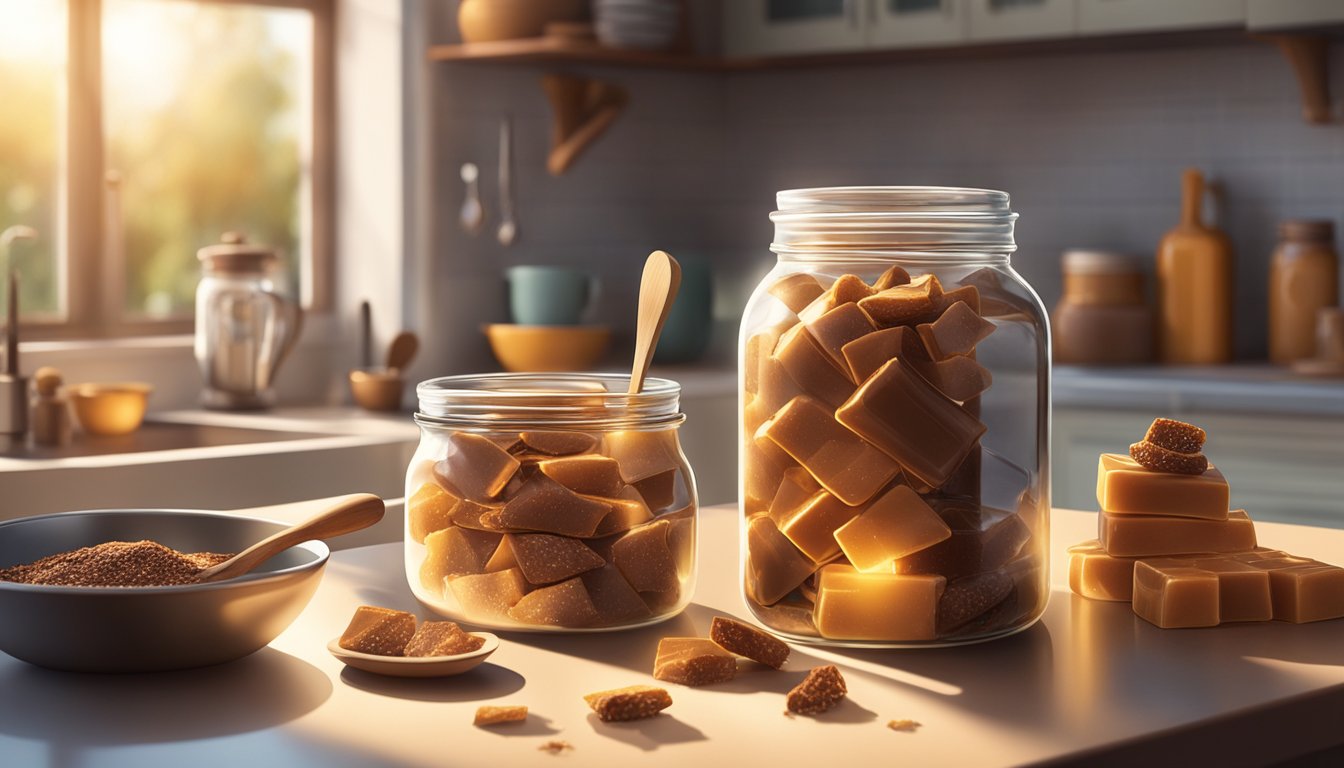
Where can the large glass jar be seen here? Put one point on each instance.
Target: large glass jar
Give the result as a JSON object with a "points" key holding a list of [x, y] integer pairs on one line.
{"points": [[550, 502], [895, 379]]}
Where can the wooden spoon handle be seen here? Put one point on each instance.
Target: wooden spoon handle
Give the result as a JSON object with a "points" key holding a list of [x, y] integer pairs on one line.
{"points": [[657, 291], [402, 351], [346, 514]]}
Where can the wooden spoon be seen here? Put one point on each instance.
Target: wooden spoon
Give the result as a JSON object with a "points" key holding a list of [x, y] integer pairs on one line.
{"points": [[402, 351], [346, 514], [657, 291]]}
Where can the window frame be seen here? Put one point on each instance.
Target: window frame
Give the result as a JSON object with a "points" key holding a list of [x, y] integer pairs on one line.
{"points": [[91, 276]]}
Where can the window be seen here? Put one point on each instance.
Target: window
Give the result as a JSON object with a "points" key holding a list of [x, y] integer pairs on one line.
{"points": [[134, 132]]}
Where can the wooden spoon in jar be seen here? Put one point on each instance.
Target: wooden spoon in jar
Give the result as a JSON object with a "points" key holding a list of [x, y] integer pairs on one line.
{"points": [[657, 291], [345, 514]]}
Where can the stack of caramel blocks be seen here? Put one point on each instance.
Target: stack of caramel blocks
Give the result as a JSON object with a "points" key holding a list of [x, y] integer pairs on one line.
{"points": [[555, 529], [861, 466], [1168, 543]]}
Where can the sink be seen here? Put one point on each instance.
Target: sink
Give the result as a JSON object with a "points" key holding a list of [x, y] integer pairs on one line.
{"points": [[156, 436], [193, 460]]}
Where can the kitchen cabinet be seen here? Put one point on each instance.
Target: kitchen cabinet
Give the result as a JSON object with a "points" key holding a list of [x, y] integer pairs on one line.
{"points": [[1281, 468], [998, 20], [1265, 15], [781, 27], [1099, 17], [772, 27], [912, 23]]}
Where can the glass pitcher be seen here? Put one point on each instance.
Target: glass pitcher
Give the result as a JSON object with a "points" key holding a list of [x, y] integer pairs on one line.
{"points": [[244, 329]]}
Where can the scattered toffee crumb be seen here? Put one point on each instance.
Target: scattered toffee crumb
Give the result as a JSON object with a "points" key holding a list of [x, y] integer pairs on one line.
{"points": [[555, 747], [905, 726], [115, 564], [822, 689]]}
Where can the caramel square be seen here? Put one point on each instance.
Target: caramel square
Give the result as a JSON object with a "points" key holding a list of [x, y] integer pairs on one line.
{"points": [[897, 411], [1099, 576], [877, 606], [897, 524], [1173, 594], [1154, 536], [1125, 488], [840, 460]]}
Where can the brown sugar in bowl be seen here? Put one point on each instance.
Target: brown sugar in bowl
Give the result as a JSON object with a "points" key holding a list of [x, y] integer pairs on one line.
{"points": [[143, 629]]}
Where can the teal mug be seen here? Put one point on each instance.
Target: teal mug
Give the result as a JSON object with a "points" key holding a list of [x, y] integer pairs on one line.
{"points": [[686, 334], [549, 295]]}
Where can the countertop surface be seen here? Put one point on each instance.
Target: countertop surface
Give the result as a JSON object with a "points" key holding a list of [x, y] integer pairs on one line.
{"points": [[1089, 683], [1253, 388]]}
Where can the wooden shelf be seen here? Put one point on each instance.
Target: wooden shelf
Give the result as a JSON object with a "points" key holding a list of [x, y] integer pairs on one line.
{"points": [[546, 50], [550, 50]]}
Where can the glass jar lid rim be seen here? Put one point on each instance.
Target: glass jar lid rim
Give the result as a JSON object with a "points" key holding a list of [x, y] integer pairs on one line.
{"points": [[463, 384], [510, 400], [892, 199], [841, 220]]}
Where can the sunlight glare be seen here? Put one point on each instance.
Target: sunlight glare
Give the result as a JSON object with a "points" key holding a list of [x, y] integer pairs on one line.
{"points": [[143, 42], [32, 30]]}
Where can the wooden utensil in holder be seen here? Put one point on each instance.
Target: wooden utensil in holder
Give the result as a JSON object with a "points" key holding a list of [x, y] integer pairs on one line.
{"points": [[583, 109]]}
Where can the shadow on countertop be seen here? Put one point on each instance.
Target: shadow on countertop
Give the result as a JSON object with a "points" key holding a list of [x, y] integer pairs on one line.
{"points": [[80, 710]]}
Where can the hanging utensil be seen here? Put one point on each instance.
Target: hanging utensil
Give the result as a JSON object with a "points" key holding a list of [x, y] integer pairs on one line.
{"points": [[508, 228], [365, 334], [473, 213]]}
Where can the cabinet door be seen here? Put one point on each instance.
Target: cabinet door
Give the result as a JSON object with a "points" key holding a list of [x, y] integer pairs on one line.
{"points": [[779, 27], [1106, 16], [1282, 14], [1283, 469], [912, 23], [1021, 19]]}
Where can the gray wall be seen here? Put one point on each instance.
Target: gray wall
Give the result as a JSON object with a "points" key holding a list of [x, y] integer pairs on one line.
{"points": [[1090, 145]]}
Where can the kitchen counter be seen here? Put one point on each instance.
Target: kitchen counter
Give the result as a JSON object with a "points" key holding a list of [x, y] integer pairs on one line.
{"points": [[1241, 388], [1091, 683]]}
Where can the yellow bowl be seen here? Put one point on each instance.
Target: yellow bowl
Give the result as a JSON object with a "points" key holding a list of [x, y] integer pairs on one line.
{"points": [[110, 409], [522, 348], [377, 389]]}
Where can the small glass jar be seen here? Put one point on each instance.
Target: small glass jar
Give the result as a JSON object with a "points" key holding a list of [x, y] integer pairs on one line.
{"points": [[1303, 279], [550, 502], [1102, 317], [895, 379]]}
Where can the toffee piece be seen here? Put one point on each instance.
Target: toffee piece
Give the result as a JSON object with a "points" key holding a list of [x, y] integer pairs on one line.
{"points": [[634, 702], [823, 688]]}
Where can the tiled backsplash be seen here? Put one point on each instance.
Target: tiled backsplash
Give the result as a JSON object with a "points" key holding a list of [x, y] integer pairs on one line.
{"points": [[1090, 145]]}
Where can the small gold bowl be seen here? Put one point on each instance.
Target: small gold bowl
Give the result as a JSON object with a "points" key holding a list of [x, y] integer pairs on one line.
{"points": [[110, 409], [524, 348], [377, 389]]}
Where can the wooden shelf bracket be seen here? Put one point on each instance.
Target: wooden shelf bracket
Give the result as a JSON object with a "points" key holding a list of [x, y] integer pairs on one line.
{"points": [[1309, 55], [583, 109]]}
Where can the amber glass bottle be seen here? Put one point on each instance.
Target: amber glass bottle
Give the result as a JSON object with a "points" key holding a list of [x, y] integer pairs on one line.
{"points": [[1194, 286]]}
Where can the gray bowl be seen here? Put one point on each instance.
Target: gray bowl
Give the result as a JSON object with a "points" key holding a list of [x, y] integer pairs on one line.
{"points": [[141, 629]]}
